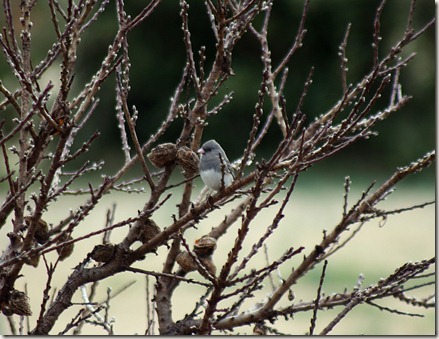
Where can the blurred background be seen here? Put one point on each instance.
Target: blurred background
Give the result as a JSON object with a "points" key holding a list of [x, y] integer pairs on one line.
{"points": [[158, 55], [157, 58]]}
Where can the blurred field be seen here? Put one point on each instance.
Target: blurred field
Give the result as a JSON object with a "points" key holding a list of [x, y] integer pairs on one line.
{"points": [[375, 252]]}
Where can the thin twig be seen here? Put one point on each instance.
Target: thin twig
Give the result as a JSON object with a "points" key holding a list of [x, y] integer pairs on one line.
{"points": [[317, 300]]}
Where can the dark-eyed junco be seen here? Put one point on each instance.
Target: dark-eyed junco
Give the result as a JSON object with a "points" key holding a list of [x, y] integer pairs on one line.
{"points": [[215, 169]]}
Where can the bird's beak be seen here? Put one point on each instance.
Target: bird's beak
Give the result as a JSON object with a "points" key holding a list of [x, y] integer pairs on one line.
{"points": [[200, 151]]}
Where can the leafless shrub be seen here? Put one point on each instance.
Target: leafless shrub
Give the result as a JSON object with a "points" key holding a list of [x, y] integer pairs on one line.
{"points": [[41, 123]]}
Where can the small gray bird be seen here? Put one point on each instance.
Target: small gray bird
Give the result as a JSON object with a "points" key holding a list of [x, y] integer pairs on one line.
{"points": [[215, 169]]}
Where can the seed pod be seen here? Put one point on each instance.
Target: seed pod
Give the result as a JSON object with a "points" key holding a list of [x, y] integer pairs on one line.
{"points": [[209, 265], [66, 250], [19, 303], [163, 155], [149, 231], [41, 234], [33, 261], [186, 262], [259, 329], [7, 311], [188, 161], [205, 246], [103, 253]]}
